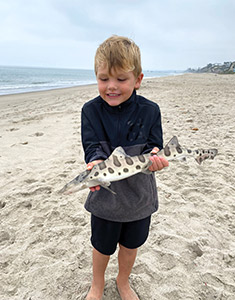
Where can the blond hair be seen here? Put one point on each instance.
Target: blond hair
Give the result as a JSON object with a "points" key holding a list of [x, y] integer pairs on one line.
{"points": [[119, 52]]}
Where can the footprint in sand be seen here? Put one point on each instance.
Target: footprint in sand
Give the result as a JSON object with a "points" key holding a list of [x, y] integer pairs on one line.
{"points": [[29, 181], [4, 236], [196, 249], [14, 129], [2, 204], [37, 134]]}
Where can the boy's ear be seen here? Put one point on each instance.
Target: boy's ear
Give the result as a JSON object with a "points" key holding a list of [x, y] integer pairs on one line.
{"points": [[138, 81]]}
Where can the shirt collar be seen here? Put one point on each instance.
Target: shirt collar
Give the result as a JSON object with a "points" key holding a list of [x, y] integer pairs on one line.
{"points": [[123, 106]]}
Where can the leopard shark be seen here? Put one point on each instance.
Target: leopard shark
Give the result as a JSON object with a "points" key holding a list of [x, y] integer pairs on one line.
{"points": [[119, 166]]}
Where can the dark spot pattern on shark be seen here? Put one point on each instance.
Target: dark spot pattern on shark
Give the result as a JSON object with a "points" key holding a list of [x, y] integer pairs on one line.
{"points": [[111, 170], [102, 165], [129, 161], [141, 158], [167, 151], [178, 149], [116, 162]]}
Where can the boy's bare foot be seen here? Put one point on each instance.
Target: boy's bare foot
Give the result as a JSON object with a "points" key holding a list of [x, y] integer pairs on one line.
{"points": [[94, 294], [126, 292]]}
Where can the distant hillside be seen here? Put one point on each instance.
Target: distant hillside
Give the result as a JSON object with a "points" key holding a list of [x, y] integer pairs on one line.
{"points": [[225, 68]]}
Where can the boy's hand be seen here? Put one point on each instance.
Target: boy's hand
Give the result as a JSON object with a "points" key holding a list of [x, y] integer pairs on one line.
{"points": [[89, 166], [158, 162]]}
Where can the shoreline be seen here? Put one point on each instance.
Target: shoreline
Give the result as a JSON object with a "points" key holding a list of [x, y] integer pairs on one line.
{"points": [[6, 100], [76, 86], [190, 251], [45, 93], [48, 89], [51, 92]]}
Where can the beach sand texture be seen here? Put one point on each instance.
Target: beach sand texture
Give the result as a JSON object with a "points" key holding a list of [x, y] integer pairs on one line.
{"points": [[45, 252]]}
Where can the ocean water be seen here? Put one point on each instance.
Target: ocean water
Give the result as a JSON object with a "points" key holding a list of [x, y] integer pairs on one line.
{"points": [[15, 80]]}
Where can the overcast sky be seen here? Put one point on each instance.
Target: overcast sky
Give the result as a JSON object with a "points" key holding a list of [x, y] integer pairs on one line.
{"points": [[172, 34]]}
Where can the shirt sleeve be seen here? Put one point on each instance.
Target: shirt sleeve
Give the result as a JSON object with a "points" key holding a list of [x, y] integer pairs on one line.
{"points": [[155, 138], [91, 144]]}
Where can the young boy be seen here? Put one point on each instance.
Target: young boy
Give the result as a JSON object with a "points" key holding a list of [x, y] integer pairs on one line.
{"points": [[119, 117]]}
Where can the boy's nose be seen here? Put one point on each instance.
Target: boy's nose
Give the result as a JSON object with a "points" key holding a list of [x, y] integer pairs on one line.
{"points": [[112, 85]]}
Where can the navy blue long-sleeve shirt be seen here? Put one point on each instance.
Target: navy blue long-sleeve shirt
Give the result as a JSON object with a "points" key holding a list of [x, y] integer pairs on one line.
{"points": [[136, 126]]}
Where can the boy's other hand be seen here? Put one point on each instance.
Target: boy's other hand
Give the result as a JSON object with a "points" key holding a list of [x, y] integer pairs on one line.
{"points": [[158, 162], [89, 166]]}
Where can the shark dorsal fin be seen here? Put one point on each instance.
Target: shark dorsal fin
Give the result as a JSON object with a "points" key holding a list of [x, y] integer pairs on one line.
{"points": [[172, 145], [119, 151], [173, 142]]}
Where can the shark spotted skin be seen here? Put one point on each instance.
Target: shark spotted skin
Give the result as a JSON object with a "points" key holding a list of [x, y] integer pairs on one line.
{"points": [[119, 166], [173, 151]]}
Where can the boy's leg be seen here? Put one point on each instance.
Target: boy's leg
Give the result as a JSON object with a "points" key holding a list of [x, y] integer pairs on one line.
{"points": [[133, 235], [100, 262], [126, 260]]}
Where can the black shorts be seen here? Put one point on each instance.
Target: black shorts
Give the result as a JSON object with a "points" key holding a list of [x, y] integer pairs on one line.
{"points": [[107, 234]]}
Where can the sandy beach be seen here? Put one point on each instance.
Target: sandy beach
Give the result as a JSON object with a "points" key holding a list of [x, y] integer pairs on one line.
{"points": [[45, 251]]}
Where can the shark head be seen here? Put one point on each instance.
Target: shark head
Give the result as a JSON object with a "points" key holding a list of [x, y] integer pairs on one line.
{"points": [[77, 184]]}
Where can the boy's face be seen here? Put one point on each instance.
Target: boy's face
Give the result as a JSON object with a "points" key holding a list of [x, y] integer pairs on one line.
{"points": [[117, 87]]}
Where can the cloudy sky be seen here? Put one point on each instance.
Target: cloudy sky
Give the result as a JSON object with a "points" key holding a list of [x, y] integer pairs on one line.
{"points": [[172, 34]]}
